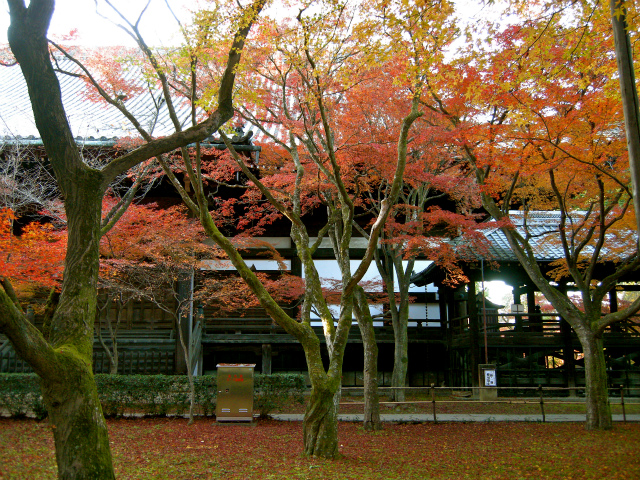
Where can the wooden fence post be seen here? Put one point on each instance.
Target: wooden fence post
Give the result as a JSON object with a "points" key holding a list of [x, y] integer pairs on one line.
{"points": [[433, 402]]}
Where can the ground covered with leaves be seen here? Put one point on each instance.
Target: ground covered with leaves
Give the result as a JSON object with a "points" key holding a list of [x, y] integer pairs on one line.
{"points": [[169, 449]]}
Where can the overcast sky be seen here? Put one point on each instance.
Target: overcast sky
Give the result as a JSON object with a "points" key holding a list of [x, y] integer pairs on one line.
{"points": [[158, 25]]}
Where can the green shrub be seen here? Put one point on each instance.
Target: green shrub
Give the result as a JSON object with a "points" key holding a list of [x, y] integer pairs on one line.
{"points": [[151, 395], [275, 391], [20, 394]]}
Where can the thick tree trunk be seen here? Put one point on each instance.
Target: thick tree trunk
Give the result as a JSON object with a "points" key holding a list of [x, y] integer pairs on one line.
{"points": [[64, 365], [629, 95], [371, 421], [400, 353], [82, 443], [79, 429], [597, 393], [320, 425]]}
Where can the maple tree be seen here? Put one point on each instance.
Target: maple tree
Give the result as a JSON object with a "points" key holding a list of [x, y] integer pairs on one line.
{"points": [[320, 420], [305, 87], [35, 256], [318, 56], [537, 118], [373, 114], [31, 239], [64, 361], [313, 69], [142, 257]]}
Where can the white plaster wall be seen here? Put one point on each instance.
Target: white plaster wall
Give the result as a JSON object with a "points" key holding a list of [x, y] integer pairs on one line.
{"points": [[418, 266], [329, 270], [247, 242], [375, 309], [356, 242], [260, 265]]}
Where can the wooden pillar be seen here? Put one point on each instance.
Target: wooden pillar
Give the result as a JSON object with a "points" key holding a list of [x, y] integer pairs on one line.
{"points": [[442, 305], [454, 376], [517, 292], [474, 332], [266, 359], [613, 307], [613, 301], [531, 298], [535, 321], [445, 331]]}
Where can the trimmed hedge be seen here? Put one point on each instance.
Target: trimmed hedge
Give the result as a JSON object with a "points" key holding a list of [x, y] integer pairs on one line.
{"points": [[152, 395], [20, 395]]}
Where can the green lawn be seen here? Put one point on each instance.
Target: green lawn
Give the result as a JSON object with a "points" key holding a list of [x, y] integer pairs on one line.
{"points": [[169, 449]]}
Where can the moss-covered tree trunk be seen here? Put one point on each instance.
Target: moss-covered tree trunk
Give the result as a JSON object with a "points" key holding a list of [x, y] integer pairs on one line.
{"points": [[80, 434], [320, 425], [64, 362], [320, 422], [79, 430], [596, 381], [371, 419]]}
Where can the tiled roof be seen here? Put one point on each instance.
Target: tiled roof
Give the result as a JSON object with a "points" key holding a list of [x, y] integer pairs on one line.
{"points": [[543, 230], [86, 118], [98, 122]]}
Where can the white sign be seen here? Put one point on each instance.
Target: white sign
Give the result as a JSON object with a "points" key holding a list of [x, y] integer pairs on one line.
{"points": [[490, 378]]}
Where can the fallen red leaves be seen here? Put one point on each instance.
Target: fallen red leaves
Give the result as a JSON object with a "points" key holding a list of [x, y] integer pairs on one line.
{"points": [[168, 448]]}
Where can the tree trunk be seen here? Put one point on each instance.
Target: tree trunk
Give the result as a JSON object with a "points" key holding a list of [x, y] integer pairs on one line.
{"points": [[187, 358], [64, 364], [400, 353], [597, 392], [320, 425], [79, 429], [80, 433], [629, 95], [371, 419], [113, 364], [49, 310]]}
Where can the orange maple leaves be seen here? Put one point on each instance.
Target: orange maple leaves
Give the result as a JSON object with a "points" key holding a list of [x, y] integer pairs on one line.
{"points": [[36, 255]]}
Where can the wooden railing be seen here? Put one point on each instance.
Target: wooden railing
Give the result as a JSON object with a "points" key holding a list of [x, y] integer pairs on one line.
{"points": [[535, 323], [542, 396], [140, 336], [241, 325], [139, 362]]}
